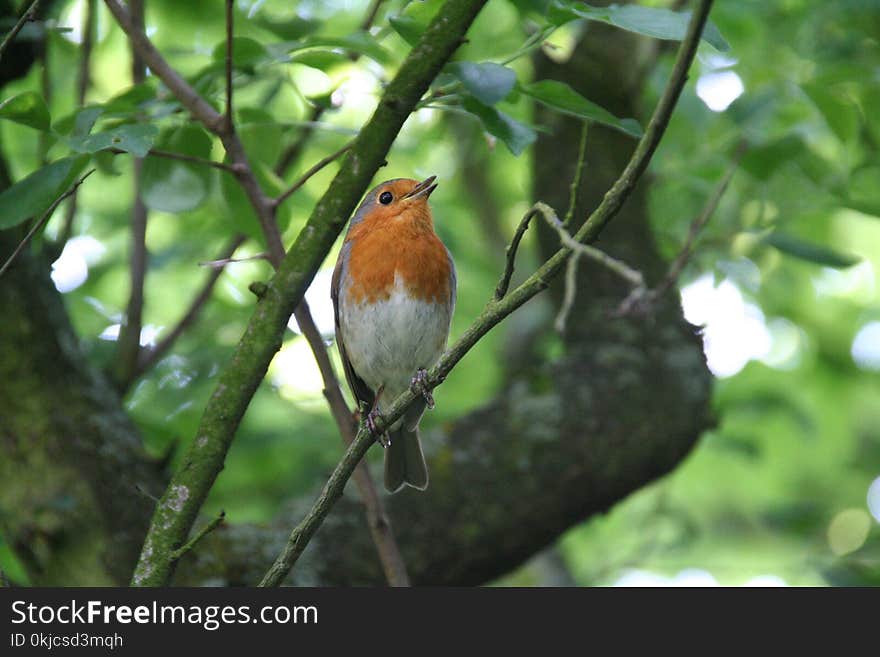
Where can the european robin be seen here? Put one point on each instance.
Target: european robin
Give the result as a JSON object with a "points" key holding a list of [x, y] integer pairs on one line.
{"points": [[393, 295]]}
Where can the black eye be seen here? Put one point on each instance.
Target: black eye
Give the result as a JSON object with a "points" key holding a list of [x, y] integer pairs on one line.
{"points": [[385, 198]]}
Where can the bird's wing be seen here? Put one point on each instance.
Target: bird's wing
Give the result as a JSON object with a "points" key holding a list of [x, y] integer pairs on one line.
{"points": [[358, 388]]}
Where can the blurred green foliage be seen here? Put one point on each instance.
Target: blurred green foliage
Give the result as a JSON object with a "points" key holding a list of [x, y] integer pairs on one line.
{"points": [[785, 276]]}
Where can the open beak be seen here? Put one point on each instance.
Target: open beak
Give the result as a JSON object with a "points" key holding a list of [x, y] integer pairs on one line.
{"points": [[423, 189]]}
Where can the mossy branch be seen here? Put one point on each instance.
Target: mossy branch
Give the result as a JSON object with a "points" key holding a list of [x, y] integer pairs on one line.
{"points": [[497, 309]]}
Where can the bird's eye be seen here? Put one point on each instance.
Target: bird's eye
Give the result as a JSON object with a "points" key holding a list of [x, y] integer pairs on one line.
{"points": [[385, 198]]}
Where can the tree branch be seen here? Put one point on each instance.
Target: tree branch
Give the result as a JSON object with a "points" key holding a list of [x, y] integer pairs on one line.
{"points": [[204, 531], [83, 82], [495, 311], [640, 300], [28, 15], [42, 221], [128, 346], [308, 174]]}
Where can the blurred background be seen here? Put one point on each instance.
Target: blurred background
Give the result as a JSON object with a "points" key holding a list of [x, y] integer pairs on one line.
{"points": [[783, 488]]}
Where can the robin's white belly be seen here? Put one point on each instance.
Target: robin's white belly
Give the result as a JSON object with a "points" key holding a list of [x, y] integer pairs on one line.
{"points": [[388, 340]]}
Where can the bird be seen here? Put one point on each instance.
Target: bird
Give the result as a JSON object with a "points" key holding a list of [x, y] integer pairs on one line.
{"points": [[393, 292]]}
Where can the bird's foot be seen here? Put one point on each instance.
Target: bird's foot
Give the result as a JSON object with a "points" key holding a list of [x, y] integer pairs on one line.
{"points": [[370, 420], [419, 385]]}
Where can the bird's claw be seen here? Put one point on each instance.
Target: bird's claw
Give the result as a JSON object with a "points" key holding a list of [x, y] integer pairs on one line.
{"points": [[380, 436], [419, 385]]}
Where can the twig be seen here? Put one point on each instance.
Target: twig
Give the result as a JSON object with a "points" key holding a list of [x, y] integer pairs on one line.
{"points": [[504, 283], [4, 581], [42, 221], [83, 83], [148, 358], [568, 296], [222, 262], [576, 178], [697, 226], [370, 16], [183, 157], [207, 529], [230, 23], [496, 311], [311, 172], [640, 302], [128, 345], [28, 15]]}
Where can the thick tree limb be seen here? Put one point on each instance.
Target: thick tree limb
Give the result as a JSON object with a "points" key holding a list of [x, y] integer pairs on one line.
{"points": [[495, 311]]}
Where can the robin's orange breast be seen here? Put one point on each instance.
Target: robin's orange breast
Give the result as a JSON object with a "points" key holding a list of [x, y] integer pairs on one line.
{"points": [[381, 250]]}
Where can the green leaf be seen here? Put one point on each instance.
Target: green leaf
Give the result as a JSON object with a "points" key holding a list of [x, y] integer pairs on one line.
{"points": [[359, 42], [408, 27], [32, 195], [515, 135], [654, 22], [288, 29], [323, 60], [173, 185], [246, 53], [486, 82], [411, 24], [840, 114], [28, 109], [134, 138], [810, 252], [132, 98], [562, 98], [763, 161]]}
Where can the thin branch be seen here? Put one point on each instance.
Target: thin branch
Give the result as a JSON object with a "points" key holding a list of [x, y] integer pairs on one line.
{"points": [[311, 172], [230, 20], [642, 300], [576, 179], [4, 581], [28, 15], [42, 221], [371, 14], [222, 262], [148, 358], [238, 380], [183, 157], [128, 345], [697, 226], [504, 283], [207, 529], [496, 311], [83, 82], [568, 296]]}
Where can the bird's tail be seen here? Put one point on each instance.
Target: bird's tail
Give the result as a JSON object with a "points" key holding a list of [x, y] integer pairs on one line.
{"points": [[404, 460]]}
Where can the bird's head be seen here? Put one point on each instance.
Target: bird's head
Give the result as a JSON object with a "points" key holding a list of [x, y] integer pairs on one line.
{"points": [[399, 198]]}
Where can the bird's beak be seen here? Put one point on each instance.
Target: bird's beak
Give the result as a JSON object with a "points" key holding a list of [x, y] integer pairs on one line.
{"points": [[423, 189]]}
